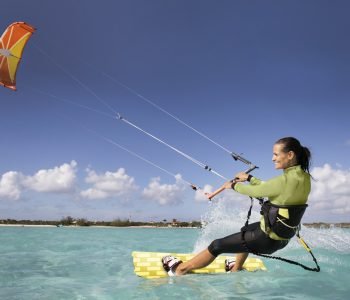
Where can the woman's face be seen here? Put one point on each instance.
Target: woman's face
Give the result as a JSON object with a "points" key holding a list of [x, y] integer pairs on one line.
{"points": [[282, 159]]}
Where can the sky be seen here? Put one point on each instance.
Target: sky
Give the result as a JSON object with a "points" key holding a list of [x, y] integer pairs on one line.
{"points": [[244, 73]]}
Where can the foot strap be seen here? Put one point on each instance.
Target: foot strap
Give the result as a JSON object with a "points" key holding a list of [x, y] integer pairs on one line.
{"points": [[170, 264]]}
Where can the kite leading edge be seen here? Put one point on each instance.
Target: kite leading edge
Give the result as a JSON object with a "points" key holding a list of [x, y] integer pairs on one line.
{"points": [[12, 43]]}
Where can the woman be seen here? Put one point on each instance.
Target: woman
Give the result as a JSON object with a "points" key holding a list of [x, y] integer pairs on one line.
{"points": [[287, 196]]}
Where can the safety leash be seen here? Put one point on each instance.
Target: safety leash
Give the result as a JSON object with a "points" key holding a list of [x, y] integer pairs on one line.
{"points": [[317, 269]]}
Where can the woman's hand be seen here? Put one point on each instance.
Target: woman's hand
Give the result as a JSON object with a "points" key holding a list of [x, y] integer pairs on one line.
{"points": [[241, 177], [228, 184]]}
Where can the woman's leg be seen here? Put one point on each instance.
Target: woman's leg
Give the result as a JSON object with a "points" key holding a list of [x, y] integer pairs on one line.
{"points": [[201, 260], [204, 258], [232, 243]]}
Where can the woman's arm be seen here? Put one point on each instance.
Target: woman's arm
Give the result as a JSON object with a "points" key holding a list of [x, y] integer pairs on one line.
{"points": [[258, 188]]}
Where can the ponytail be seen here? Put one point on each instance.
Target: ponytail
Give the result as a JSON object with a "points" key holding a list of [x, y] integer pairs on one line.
{"points": [[303, 154], [305, 158]]}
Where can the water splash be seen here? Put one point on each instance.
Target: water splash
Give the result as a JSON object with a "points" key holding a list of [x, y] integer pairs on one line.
{"points": [[225, 217], [335, 239]]}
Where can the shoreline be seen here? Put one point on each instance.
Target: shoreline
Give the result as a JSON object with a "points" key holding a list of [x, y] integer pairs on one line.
{"points": [[320, 225], [93, 226]]}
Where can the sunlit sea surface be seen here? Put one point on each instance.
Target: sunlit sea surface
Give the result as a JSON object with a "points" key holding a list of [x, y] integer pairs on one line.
{"points": [[96, 263]]}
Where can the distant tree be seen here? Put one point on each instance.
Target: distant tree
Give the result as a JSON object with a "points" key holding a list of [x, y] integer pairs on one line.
{"points": [[67, 221], [82, 222], [184, 224], [120, 223], [196, 224]]}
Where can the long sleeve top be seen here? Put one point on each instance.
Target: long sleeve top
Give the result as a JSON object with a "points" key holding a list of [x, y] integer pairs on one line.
{"points": [[291, 188]]}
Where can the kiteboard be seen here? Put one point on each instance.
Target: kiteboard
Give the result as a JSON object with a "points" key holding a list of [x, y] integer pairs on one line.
{"points": [[149, 264]]}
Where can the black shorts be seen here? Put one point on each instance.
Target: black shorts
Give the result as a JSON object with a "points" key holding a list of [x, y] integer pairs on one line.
{"points": [[256, 240]]}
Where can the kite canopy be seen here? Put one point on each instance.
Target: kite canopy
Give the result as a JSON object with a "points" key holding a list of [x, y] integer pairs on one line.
{"points": [[12, 43]]}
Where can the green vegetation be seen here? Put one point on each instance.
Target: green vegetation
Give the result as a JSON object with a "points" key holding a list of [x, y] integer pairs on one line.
{"points": [[70, 221]]}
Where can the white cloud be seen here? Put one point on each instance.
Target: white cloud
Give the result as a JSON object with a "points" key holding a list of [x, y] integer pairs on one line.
{"points": [[330, 190], [165, 194], [200, 194], [10, 185], [108, 184], [60, 179], [329, 198]]}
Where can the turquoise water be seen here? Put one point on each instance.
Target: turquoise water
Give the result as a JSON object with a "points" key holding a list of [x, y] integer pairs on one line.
{"points": [[96, 263]]}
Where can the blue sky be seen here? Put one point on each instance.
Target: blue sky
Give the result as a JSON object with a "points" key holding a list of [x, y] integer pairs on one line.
{"points": [[245, 73]]}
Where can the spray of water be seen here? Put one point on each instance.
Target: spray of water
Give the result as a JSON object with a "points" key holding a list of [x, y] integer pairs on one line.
{"points": [[224, 217], [227, 216], [335, 239]]}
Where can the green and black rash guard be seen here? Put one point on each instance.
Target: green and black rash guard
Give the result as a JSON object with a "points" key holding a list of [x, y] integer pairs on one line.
{"points": [[291, 188]]}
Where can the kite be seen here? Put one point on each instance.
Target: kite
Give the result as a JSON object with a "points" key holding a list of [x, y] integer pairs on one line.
{"points": [[12, 43]]}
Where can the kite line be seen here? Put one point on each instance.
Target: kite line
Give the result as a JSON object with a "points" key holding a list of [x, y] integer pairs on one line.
{"points": [[118, 116]]}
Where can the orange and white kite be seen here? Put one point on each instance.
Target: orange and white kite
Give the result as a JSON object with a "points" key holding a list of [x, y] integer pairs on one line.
{"points": [[12, 43]]}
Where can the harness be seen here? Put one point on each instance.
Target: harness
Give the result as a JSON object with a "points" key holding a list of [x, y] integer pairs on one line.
{"points": [[284, 220]]}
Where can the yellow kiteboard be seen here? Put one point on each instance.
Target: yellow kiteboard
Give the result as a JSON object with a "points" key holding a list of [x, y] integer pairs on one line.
{"points": [[149, 264]]}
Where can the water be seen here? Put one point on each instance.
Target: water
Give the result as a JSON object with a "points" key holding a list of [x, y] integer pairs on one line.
{"points": [[95, 263]]}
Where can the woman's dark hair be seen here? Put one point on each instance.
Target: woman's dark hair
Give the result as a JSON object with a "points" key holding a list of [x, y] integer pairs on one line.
{"points": [[302, 153]]}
